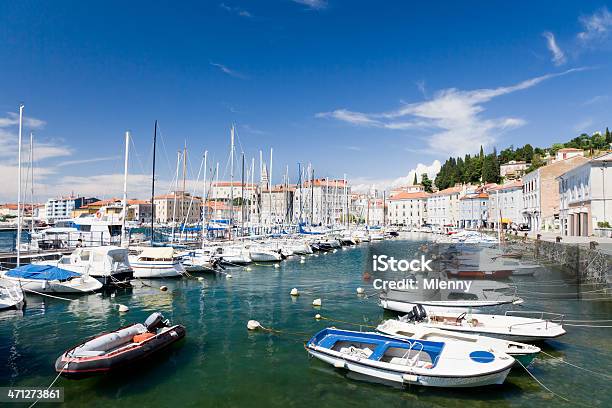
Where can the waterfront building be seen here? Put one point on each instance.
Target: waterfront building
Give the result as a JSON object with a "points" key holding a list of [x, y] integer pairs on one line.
{"points": [[585, 196], [178, 206], [513, 169], [541, 193], [406, 189], [443, 207], [57, 209], [473, 210], [505, 205], [322, 201], [138, 210], [277, 204], [408, 208]]}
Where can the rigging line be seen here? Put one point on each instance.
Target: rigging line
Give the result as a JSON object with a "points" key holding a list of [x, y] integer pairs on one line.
{"points": [[542, 385], [161, 136], [137, 155]]}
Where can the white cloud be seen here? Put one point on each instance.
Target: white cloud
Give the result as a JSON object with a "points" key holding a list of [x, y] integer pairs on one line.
{"points": [[313, 4], [452, 117], [595, 27], [236, 10], [584, 125], [557, 53], [86, 161], [366, 184], [228, 71], [595, 99]]}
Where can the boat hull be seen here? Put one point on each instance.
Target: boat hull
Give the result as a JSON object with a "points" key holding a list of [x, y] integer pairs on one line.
{"points": [[83, 367], [405, 378], [157, 270]]}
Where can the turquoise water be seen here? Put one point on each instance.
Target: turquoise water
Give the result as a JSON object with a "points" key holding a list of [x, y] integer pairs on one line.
{"points": [[220, 363]]}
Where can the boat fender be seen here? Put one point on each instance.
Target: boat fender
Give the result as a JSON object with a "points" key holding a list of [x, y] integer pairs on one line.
{"points": [[276, 265], [340, 364], [253, 325], [409, 378], [318, 316], [228, 276], [302, 261], [316, 302], [163, 288], [294, 292], [360, 291]]}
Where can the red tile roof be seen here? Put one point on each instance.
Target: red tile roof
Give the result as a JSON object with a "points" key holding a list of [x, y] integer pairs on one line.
{"points": [[404, 195]]}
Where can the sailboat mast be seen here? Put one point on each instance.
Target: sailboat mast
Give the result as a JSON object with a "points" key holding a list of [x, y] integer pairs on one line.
{"points": [[270, 185], [242, 196], [252, 195], [31, 184], [125, 180], [231, 180], [312, 196], [176, 182], [184, 179], [153, 185], [18, 241], [204, 200]]}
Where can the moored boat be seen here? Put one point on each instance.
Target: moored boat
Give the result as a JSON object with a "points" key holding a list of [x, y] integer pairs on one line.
{"points": [[11, 295], [51, 279], [410, 361], [121, 348], [156, 262]]}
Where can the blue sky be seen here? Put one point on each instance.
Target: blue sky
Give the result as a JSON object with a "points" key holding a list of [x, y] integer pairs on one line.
{"points": [[352, 86]]}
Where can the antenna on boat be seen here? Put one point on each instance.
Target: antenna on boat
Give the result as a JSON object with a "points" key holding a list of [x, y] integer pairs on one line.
{"points": [[153, 185], [18, 241]]}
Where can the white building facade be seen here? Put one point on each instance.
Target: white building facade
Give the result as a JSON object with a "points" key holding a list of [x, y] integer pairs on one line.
{"points": [[506, 205], [443, 207], [585, 194], [473, 210], [408, 209]]}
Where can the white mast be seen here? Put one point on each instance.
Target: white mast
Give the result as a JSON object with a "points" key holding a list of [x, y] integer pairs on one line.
{"points": [[19, 187], [178, 163], [31, 184], [231, 179], [270, 186], [253, 191], [125, 183], [204, 201]]}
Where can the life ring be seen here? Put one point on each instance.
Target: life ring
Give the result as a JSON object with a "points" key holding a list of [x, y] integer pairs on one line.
{"points": [[98, 215]]}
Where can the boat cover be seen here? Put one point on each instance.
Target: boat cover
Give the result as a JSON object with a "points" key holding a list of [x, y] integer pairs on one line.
{"points": [[41, 272]]}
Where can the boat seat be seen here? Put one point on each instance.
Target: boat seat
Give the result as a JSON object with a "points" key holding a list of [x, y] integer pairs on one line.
{"points": [[109, 341], [354, 351]]}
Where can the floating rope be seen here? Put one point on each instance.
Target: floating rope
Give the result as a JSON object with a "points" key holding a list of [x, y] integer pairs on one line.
{"points": [[542, 385], [588, 325], [575, 366], [319, 317], [52, 382], [51, 296]]}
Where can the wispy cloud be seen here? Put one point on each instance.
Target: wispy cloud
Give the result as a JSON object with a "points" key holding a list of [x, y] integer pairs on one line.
{"points": [[596, 26], [86, 161], [12, 119], [228, 71], [250, 129], [313, 4], [584, 125], [595, 99], [236, 10], [558, 56], [354, 148], [452, 117]]}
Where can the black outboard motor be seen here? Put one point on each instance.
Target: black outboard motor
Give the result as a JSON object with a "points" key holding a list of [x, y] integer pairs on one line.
{"points": [[417, 314], [155, 321]]}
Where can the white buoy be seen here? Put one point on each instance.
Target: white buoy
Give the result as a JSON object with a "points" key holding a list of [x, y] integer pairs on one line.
{"points": [[302, 261], [112, 295], [253, 325], [123, 308], [302, 257], [249, 268], [360, 291], [276, 265], [335, 250], [318, 316], [228, 276], [294, 292], [316, 302], [317, 255], [163, 288], [200, 278]]}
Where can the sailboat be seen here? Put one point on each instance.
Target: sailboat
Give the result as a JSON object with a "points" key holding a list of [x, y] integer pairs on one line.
{"points": [[11, 295]]}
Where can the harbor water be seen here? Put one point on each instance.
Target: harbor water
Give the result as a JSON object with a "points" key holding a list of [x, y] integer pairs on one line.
{"points": [[221, 364]]}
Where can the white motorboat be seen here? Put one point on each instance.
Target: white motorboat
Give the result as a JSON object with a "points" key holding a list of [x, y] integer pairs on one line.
{"points": [[11, 295], [51, 279], [233, 255], [108, 264], [199, 260], [513, 325], [481, 295], [409, 327], [156, 262], [261, 253], [410, 361]]}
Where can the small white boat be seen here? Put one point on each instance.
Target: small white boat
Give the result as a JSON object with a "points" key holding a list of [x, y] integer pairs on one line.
{"points": [[260, 253], [409, 327], [410, 361], [481, 295], [108, 264], [11, 295], [156, 262], [510, 326], [51, 279], [233, 255]]}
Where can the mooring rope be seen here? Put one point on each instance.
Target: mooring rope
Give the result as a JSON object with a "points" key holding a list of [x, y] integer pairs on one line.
{"points": [[575, 366], [51, 296], [52, 382], [319, 317], [542, 385]]}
